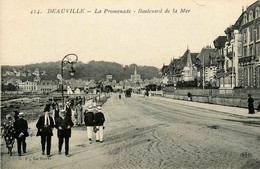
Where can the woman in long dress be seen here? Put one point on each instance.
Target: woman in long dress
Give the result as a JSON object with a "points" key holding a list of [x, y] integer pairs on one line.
{"points": [[9, 133], [250, 105]]}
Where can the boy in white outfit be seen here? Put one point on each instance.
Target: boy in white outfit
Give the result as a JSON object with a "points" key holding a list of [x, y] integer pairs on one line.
{"points": [[89, 122], [99, 123]]}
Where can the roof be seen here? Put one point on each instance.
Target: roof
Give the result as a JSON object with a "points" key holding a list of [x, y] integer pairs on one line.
{"points": [[220, 41], [185, 56], [209, 54], [252, 6], [177, 65], [165, 67]]}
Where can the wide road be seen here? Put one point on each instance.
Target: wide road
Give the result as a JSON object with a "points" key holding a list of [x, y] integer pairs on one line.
{"points": [[155, 132]]}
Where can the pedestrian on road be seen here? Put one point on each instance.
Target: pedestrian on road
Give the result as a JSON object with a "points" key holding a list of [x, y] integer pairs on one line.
{"points": [[63, 126], [99, 123], [21, 129], [68, 110], [189, 96], [89, 122], [48, 105], [16, 113], [45, 126], [56, 112], [9, 133], [79, 114], [250, 104]]}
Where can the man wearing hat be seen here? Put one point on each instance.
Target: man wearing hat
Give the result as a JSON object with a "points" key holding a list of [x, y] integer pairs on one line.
{"points": [[63, 125], [89, 122], [68, 110], [45, 126], [99, 122], [56, 112], [21, 130]]}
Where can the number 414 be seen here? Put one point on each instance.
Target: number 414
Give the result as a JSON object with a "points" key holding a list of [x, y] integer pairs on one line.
{"points": [[35, 12]]}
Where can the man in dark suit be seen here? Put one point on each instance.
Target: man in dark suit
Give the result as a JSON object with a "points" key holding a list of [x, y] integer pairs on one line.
{"points": [[63, 125], [68, 110], [56, 112], [21, 129], [45, 126]]}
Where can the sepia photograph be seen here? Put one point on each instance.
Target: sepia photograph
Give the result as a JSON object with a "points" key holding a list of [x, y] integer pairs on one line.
{"points": [[117, 84]]}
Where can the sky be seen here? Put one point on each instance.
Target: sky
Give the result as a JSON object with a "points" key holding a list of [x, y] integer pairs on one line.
{"points": [[151, 39]]}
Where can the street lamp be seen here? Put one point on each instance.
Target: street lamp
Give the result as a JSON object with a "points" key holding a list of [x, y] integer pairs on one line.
{"points": [[71, 59]]}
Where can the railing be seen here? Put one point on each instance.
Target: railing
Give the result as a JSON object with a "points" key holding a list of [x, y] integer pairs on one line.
{"points": [[220, 71]]}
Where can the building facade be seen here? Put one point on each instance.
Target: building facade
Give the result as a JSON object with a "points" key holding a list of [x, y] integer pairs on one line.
{"points": [[249, 61], [207, 67], [46, 86], [219, 44], [232, 53], [28, 86]]}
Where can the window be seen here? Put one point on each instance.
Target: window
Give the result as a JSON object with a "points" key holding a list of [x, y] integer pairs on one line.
{"points": [[257, 33], [251, 17], [250, 34], [257, 76], [257, 12], [245, 36], [245, 77], [245, 51], [251, 50], [251, 75], [245, 18], [226, 65]]}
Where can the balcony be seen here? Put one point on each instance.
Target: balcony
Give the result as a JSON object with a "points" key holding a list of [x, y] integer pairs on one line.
{"points": [[246, 59], [230, 55], [230, 69], [220, 58], [220, 73]]}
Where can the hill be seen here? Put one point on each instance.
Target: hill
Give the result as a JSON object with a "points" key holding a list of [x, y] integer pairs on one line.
{"points": [[96, 70]]}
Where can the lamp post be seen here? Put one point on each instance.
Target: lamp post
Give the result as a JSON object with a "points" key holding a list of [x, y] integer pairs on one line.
{"points": [[71, 59]]}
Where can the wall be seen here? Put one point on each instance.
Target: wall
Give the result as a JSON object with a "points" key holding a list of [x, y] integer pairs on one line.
{"points": [[228, 97]]}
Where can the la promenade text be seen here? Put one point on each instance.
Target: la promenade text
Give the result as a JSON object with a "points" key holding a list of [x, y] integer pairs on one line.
{"points": [[111, 11]]}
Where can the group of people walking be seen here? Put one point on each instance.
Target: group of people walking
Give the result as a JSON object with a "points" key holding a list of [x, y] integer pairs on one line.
{"points": [[60, 119], [15, 128], [94, 122], [45, 126]]}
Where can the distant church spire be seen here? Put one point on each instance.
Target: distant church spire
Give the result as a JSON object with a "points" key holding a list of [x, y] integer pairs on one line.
{"points": [[135, 71], [187, 47]]}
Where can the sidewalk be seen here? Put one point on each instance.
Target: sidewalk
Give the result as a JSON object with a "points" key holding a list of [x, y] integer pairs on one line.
{"points": [[214, 107]]}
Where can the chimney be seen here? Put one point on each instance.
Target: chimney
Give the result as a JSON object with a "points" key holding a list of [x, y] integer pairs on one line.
{"points": [[242, 9]]}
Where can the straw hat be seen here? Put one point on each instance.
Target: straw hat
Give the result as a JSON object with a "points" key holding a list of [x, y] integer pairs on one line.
{"points": [[21, 114]]}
